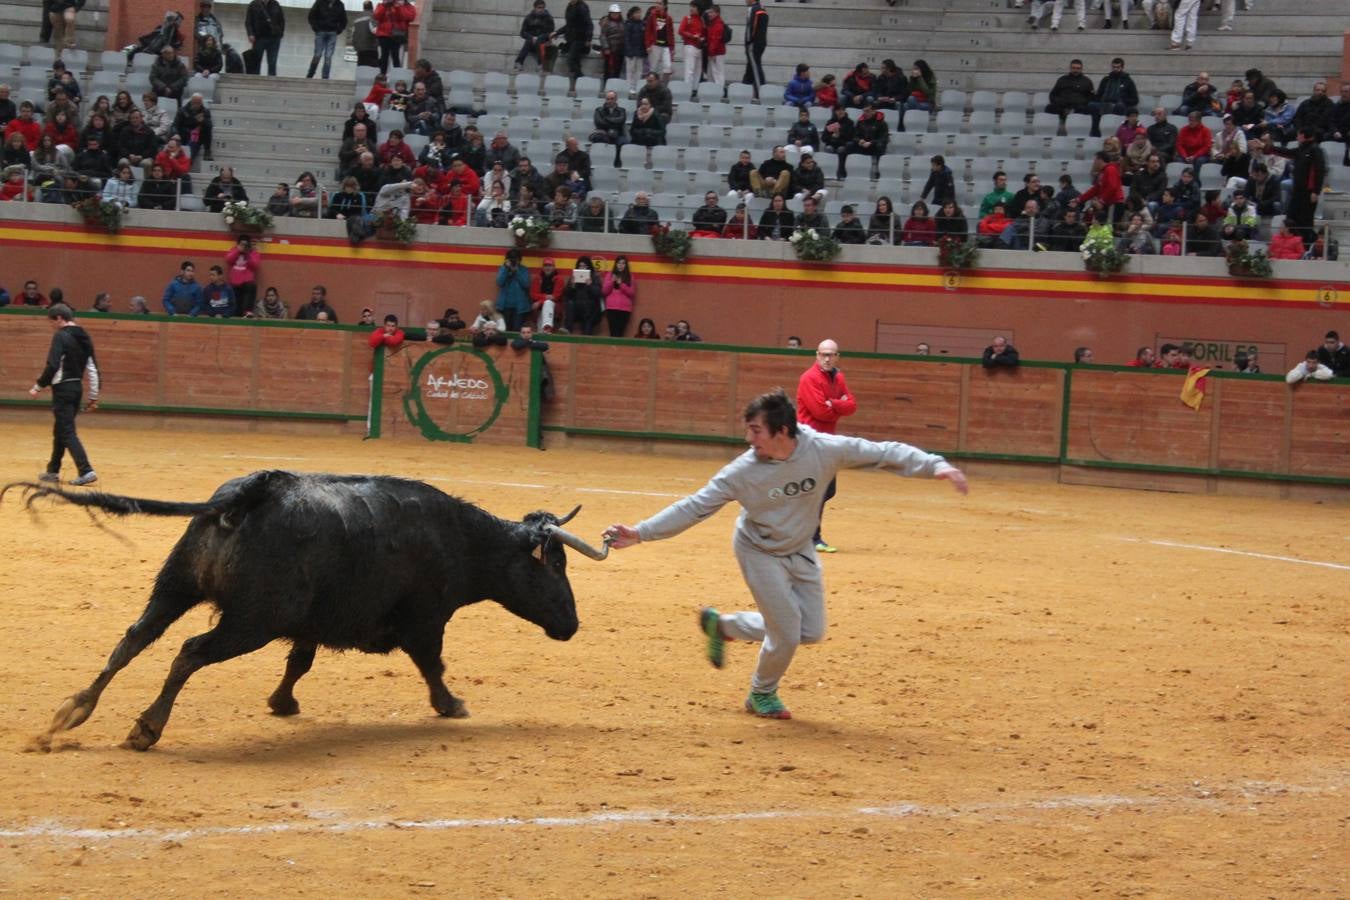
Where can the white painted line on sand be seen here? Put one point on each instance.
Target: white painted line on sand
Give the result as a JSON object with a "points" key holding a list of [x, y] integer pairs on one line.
{"points": [[1292, 559], [1223, 797]]}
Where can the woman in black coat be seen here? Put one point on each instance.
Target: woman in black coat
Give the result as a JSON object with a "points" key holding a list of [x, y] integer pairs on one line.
{"points": [[224, 188], [158, 191], [950, 221], [583, 299], [777, 222]]}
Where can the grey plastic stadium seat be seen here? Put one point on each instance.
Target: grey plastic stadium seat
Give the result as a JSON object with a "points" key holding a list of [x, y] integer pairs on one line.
{"points": [[952, 99], [983, 100], [588, 86], [916, 120]]}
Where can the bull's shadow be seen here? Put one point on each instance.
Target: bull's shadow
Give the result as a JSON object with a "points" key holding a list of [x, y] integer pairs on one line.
{"points": [[300, 742]]}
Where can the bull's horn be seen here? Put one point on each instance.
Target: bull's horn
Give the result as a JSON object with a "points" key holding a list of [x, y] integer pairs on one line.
{"points": [[570, 516], [577, 543]]}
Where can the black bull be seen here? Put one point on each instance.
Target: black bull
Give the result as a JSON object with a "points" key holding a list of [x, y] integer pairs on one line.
{"points": [[356, 562]]}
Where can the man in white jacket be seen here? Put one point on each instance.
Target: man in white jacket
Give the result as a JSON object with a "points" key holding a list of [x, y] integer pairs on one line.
{"points": [[777, 483], [1309, 368]]}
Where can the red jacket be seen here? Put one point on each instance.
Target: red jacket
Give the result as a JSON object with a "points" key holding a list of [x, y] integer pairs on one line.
{"points": [[388, 150], [716, 36], [692, 30], [827, 96], [1107, 187], [393, 19], [468, 181], [31, 131], [1194, 140], [537, 293], [455, 210], [813, 390], [737, 229], [70, 137], [666, 29], [379, 339], [1286, 247], [174, 166], [426, 209]]}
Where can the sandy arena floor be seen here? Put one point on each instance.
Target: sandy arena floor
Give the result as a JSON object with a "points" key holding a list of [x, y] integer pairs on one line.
{"points": [[1021, 695]]}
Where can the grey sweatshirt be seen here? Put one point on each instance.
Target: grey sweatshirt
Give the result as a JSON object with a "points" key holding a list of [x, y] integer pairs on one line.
{"points": [[780, 499]]}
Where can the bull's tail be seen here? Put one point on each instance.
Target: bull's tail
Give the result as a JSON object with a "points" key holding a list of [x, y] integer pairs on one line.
{"points": [[233, 497], [110, 503]]}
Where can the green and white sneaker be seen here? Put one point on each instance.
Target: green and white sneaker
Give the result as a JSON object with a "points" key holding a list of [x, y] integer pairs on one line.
{"points": [[822, 547], [766, 706], [710, 623]]}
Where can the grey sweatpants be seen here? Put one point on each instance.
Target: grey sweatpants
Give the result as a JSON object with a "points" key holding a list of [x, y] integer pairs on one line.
{"points": [[791, 598]]}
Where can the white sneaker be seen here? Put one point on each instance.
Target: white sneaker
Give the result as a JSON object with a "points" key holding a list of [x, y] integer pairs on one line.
{"points": [[1225, 27]]}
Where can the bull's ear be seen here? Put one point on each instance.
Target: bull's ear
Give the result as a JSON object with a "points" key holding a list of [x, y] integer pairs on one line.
{"points": [[538, 552]]}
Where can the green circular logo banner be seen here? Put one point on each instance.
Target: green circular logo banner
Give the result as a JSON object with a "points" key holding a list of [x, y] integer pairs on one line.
{"points": [[454, 394]]}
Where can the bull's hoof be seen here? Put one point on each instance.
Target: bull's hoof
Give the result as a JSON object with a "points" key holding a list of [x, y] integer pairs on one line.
{"points": [[283, 706], [73, 712], [455, 709], [142, 737]]}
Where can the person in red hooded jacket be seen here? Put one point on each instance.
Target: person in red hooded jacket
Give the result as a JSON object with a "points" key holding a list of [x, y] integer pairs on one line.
{"points": [[822, 400], [392, 18], [1106, 188], [715, 47]]}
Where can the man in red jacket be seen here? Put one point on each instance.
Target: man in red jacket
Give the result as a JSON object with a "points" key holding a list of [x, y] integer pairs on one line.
{"points": [[694, 34], [822, 400]]}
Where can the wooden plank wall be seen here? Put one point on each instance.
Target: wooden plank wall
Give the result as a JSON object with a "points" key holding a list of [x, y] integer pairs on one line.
{"points": [[1115, 416], [205, 365]]}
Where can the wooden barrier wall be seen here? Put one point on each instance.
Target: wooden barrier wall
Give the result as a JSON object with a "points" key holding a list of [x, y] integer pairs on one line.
{"points": [[1094, 424]]}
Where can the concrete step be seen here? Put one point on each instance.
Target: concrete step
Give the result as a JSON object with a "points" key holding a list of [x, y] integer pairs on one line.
{"points": [[280, 103], [252, 169], [246, 121], [235, 144]]}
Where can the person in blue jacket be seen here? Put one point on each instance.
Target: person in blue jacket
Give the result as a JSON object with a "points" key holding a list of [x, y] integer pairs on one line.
{"points": [[513, 290], [800, 91], [184, 294]]}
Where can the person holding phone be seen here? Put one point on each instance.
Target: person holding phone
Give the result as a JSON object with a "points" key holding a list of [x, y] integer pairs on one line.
{"points": [[619, 293]]}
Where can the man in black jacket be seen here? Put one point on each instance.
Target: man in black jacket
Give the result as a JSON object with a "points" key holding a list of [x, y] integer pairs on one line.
{"points": [[70, 357], [577, 30], [1072, 92], [1310, 172], [265, 22], [1000, 353], [1316, 112], [941, 183], [328, 19], [1162, 134], [1116, 94], [193, 125], [1334, 355], [535, 31]]}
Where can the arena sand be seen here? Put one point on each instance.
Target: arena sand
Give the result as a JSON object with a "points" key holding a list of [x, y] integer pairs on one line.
{"points": [[1019, 696]]}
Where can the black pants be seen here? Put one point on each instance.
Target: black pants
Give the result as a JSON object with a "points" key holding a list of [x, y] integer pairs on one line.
{"points": [[368, 58], [618, 321], [65, 405], [829, 494], [852, 147], [576, 52], [754, 67], [1302, 205], [245, 297], [391, 50]]}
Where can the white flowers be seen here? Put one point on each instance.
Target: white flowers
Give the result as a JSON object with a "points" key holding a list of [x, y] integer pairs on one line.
{"points": [[811, 233], [796, 236], [229, 220], [520, 232]]}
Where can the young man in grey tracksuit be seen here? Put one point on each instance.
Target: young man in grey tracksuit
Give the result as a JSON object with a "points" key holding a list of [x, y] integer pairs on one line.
{"points": [[777, 483]]}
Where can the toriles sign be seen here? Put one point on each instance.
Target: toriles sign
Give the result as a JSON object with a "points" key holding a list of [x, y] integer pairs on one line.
{"points": [[454, 394]]}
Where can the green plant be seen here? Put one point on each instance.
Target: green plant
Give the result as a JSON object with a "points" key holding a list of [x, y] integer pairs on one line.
{"points": [[388, 221], [955, 253], [238, 212], [672, 243], [1100, 253], [814, 246], [97, 211], [530, 231], [1243, 262]]}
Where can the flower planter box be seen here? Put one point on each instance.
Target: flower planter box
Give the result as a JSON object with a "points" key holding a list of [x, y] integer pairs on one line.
{"points": [[245, 228]]}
